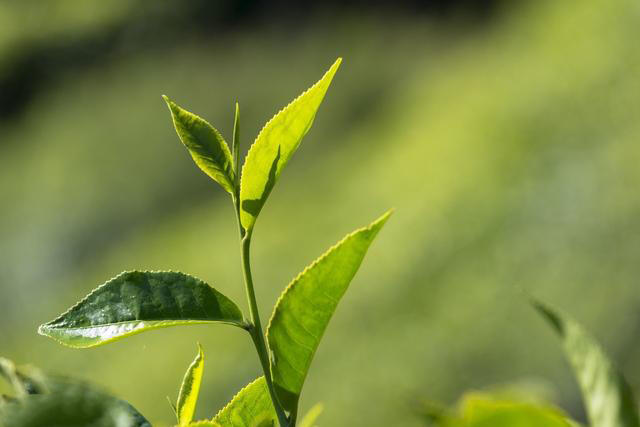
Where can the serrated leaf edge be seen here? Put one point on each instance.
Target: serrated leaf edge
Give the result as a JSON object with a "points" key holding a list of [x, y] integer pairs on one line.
{"points": [[160, 323], [225, 145], [378, 222], [235, 397], [335, 65]]}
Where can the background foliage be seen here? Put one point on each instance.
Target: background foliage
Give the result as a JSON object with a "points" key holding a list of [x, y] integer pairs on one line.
{"points": [[504, 135]]}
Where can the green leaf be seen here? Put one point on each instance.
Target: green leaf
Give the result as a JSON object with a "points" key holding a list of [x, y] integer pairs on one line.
{"points": [[190, 389], [312, 415], [205, 144], [480, 411], [25, 380], [608, 398], [305, 307], [235, 149], [71, 404], [135, 302], [274, 146], [251, 407]]}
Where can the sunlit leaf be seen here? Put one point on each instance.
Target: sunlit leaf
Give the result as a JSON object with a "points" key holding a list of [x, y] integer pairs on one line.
{"points": [[135, 302], [305, 307], [274, 146], [205, 144], [251, 407], [190, 389], [608, 398], [310, 418]]}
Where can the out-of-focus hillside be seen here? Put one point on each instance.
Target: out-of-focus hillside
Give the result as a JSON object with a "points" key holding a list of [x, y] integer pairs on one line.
{"points": [[509, 151]]}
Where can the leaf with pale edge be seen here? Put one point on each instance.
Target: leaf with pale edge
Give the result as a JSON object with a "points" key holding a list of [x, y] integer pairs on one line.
{"points": [[608, 398], [135, 302], [274, 146], [305, 307], [190, 389], [205, 144]]}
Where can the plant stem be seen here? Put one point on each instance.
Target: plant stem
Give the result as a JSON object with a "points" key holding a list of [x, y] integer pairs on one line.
{"points": [[256, 327]]}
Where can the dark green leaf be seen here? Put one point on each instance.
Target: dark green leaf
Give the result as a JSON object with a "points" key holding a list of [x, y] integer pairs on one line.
{"points": [[24, 380], [205, 144], [304, 309], [274, 146], [608, 398], [135, 302], [71, 405]]}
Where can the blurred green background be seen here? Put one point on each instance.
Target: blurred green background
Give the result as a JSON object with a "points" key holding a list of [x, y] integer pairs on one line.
{"points": [[505, 134]]}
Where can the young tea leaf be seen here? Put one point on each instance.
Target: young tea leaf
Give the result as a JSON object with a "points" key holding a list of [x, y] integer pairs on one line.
{"points": [[251, 407], [274, 146], [135, 302], [608, 398], [205, 144], [305, 307], [235, 147], [190, 389]]}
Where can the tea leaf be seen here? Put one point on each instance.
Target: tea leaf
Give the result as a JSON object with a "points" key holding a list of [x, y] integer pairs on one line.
{"points": [[274, 146], [190, 389], [251, 407], [480, 411], [235, 147], [205, 144], [608, 398], [305, 307], [135, 302], [71, 404], [25, 380]]}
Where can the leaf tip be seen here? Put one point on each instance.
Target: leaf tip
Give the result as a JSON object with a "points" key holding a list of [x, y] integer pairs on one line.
{"points": [[200, 351]]}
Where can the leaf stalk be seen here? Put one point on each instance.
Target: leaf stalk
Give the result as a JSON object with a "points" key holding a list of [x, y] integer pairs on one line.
{"points": [[255, 329]]}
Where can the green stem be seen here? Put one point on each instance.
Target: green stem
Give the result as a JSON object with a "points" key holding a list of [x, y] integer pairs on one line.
{"points": [[256, 327]]}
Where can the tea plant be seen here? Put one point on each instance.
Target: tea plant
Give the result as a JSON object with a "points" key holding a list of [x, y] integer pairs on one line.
{"points": [[138, 301]]}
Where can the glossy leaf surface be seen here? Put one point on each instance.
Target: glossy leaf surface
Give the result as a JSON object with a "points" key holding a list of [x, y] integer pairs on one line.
{"points": [[274, 146], [304, 309], [190, 389], [135, 302], [205, 144], [608, 398]]}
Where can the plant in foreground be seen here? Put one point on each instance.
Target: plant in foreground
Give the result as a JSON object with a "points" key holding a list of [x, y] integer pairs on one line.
{"points": [[138, 301]]}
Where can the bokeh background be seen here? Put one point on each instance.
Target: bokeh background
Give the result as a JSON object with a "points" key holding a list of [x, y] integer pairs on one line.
{"points": [[505, 134]]}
